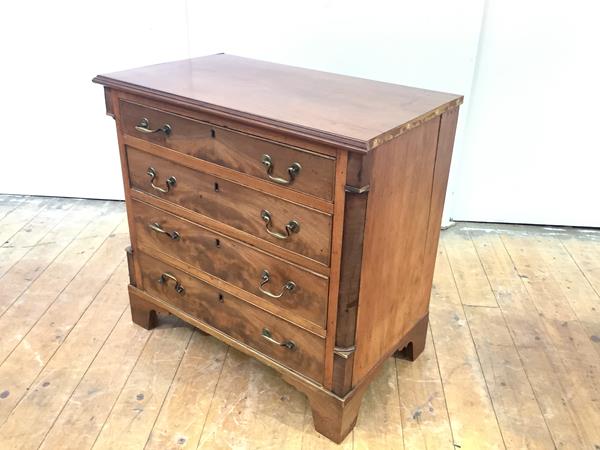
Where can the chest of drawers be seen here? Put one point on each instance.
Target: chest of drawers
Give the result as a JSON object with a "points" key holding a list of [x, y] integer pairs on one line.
{"points": [[290, 213]]}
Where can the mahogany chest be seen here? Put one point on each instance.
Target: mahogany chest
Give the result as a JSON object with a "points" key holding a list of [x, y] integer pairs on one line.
{"points": [[291, 213]]}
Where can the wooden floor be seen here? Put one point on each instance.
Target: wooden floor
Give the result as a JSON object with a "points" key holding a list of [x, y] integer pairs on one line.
{"points": [[512, 359]]}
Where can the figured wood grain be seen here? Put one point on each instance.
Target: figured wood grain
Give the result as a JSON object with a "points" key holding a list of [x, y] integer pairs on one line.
{"points": [[232, 149], [235, 263], [315, 104], [209, 168], [234, 205], [219, 227], [565, 402], [235, 124], [235, 317], [391, 300]]}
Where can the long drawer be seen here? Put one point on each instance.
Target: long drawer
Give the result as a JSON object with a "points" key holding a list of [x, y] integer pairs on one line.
{"points": [[291, 291], [291, 346], [296, 168], [289, 225]]}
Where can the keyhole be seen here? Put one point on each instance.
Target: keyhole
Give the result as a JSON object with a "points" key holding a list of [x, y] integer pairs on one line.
{"points": [[212, 133], [216, 187], [221, 298], [218, 243]]}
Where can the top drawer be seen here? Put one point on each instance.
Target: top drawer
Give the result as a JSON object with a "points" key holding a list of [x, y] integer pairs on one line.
{"points": [[298, 169]]}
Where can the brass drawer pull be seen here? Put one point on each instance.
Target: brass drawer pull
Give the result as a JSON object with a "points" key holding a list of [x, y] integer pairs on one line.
{"points": [[143, 126], [169, 276], [293, 170], [291, 227], [172, 234], [171, 181], [266, 277], [289, 344]]}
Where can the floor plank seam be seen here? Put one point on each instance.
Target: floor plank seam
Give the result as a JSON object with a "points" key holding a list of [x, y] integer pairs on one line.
{"points": [[150, 333], [549, 346], [512, 338], [58, 296], [442, 384], [212, 398], [187, 345], [49, 264], [57, 349], [125, 309], [487, 388]]}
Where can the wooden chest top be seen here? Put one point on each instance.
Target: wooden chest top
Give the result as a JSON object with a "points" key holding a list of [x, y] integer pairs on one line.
{"points": [[354, 113]]}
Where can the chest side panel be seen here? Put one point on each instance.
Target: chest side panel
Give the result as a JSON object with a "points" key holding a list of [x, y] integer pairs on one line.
{"points": [[391, 296]]}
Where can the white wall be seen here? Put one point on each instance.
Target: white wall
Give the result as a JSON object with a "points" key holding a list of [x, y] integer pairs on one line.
{"points": [[56, 139], [527, 111], [531, 153]]}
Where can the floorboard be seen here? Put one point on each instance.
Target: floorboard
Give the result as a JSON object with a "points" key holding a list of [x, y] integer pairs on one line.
{"points": [[512, 358]]}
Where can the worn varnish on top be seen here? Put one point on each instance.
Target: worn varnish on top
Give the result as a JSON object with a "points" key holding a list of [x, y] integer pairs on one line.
{"points": [[352, 112]]}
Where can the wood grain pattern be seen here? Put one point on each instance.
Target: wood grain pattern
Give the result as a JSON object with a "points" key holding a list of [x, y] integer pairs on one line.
{"points": [[232, 149], [515, 347], [234, 205], [235, 263], [315, 104], [235, 318], [391, 300], [234, 123]]}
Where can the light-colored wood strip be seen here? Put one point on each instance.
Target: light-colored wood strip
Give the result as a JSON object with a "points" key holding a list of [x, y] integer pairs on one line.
{"points": [[134, 413], [425, 421], [27, 237], [567, 334], [182, 417], [20, 216], [31, 305], [253, 408], [39, 344], [544, 369], [81, 420], [9, 203], [470, 409], [574, 351], [568, 278], [379, 424], [471, 281], [518, 412], [38, 258], [35, 413], [585, 251]]}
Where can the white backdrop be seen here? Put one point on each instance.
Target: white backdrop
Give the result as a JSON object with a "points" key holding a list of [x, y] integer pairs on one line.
{"points": [[524, 146]]}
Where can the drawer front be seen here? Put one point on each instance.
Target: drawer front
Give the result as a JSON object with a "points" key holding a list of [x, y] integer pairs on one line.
{"points": [[304, 351], [300, 229], [235, 263], [234, 150]]}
